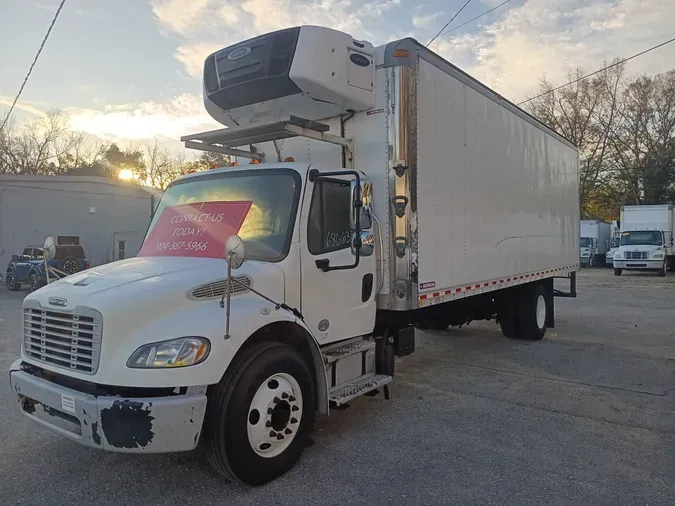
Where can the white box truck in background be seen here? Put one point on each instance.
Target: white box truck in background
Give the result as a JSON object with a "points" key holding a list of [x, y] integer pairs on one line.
{"points": [[386, 189], [613, 243], [646, 242], [594, 242]]}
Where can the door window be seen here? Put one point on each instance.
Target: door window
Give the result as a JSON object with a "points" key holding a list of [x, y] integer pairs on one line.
{"points": [[121, 245], [328, 227]]}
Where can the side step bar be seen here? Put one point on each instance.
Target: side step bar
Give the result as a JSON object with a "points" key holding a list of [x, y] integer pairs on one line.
{"points": [[344, 393]]}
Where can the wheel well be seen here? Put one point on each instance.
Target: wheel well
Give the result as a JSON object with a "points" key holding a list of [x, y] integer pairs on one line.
{"points": [[294, 335]]}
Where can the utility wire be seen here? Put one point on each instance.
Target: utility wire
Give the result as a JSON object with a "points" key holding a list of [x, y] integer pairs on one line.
{"points": [[44, 41], [446, 24], [598, 71], [474, 19]]}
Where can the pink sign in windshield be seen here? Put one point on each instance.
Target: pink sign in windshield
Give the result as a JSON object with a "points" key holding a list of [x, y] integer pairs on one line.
{"points": [[200, 229]]}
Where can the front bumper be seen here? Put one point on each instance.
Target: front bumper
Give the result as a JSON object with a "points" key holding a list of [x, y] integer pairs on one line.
{"points": [[636, 265], [131, 425]]}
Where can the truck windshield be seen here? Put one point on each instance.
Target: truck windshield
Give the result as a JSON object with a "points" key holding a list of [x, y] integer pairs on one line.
{"points": [[585, 242], [642, 237], [196, 216]]}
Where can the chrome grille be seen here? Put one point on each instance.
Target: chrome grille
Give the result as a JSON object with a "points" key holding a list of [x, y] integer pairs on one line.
{"points": [[218, 288], [635, 255], [71, 340]]}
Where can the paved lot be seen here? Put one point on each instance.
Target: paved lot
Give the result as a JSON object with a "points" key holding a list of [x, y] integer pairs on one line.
{"points": [[586, 416]]}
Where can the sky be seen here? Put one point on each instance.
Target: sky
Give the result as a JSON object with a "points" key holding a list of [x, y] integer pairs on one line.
{"points": [[130, 70]]}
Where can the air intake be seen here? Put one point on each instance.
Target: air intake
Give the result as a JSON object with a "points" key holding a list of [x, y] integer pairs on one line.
{"points": [[218, 288]]}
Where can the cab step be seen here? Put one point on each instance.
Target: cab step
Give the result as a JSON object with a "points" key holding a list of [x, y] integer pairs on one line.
{"points": [[337, 352], [349, 390]]}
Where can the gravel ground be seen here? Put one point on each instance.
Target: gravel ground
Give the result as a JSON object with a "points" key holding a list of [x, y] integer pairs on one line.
{"points": [[586, 416]]}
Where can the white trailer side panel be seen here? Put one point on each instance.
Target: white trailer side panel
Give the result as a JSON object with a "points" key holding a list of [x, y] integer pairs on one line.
{"points": [[652, 217], [497, 196]]}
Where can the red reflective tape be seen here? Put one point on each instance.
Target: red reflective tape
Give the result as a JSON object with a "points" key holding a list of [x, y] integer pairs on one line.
{"points": [[458, 289], [468, 288], [487, 284], [448, 291], [422, 297], [494, 282], [436, 294]]}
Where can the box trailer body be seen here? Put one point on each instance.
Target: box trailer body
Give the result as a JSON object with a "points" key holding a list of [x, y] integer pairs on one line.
{"points": [[407, 194], [646, 242], [594, 242]]}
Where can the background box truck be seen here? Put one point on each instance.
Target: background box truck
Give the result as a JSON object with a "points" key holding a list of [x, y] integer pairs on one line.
{"points": [[391, 189], [646, 242], [594, 242]]}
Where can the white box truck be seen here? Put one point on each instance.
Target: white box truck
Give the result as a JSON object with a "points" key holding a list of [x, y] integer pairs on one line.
{"points": [[646, 242], [385, 189], [594, 242]]}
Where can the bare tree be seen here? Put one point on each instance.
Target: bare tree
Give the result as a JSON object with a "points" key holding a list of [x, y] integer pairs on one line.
{"points": [[161, 165]]}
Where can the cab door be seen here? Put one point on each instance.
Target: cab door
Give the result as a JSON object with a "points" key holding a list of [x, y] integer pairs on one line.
{"points": [[338, 292]]}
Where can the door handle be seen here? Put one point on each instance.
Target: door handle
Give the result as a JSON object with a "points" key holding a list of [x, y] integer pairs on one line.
{"points": [[323, 264]]}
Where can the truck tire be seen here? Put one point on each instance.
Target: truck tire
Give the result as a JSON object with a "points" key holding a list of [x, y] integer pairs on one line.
{"points": [[533, 310], [662, 271], [617, 272], [33, 281], [259, 417], [507, 316], [12, 284]]}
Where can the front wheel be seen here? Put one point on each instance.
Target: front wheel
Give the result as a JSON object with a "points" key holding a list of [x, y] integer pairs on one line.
{"points": [[617, 272], [260, 416], [12, 284], [662, 271], [34, 282]]}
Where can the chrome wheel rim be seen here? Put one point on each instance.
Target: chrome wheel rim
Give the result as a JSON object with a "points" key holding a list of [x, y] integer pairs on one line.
{"points": [[274, 416], [10, 281]]}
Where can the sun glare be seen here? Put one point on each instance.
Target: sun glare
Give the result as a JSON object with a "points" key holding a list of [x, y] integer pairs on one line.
{"points": [[126, 175]]}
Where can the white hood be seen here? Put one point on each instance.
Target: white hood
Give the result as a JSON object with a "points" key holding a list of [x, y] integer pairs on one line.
{"points": [[161, 279]]}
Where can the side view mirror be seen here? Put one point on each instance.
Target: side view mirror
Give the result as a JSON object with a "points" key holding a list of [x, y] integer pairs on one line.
{"points": [[15, 258], [235, 251], [49, 249], [367, 244], [362, 200], [606, 243]]}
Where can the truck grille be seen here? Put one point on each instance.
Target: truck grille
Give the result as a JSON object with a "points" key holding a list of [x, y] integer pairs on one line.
{"points": [[635, 255], [71, 340], [218, 288]]}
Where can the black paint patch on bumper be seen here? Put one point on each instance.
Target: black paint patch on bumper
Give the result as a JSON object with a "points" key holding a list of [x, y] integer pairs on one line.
{"points": [[128, 424]]}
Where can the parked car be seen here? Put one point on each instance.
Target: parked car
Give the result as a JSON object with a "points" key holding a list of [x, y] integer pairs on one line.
{"points": [[29, 267]]}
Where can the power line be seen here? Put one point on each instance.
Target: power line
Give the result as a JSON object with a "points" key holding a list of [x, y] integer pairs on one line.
{"points": [[598, 71], [474, 19], [30, 70], [446, 24]]}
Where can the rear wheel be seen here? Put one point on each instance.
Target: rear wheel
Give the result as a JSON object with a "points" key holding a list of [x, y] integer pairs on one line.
{"points": [[617, 272], [260, 416], [524, 316], [12, 284]]}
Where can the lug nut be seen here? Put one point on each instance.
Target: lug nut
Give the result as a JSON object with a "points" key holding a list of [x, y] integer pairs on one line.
{"points": [[276, 399], [280, 436], [294, 420], [295, 408], [272, 433], [288, 431], [291, 398], [284, 395], [269, 411], [268, 424]]}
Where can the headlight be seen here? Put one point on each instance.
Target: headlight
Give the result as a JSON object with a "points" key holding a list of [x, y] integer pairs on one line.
{"points": [[585, 254], [658, 255], [181, 352]]}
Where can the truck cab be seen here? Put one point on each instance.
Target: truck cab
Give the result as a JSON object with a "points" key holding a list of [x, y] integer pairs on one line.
{"points": [[588, 248], [642, 250]]}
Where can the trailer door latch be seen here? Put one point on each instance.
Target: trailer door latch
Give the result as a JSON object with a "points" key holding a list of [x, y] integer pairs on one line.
{"points": [[400, 244], [400, 203], [400, 169]]}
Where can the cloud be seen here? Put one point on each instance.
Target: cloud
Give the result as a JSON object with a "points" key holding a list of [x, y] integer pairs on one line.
{"points": [[181, 115], [427, 20], [556, 36], [193, 56], [29, 107]]}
